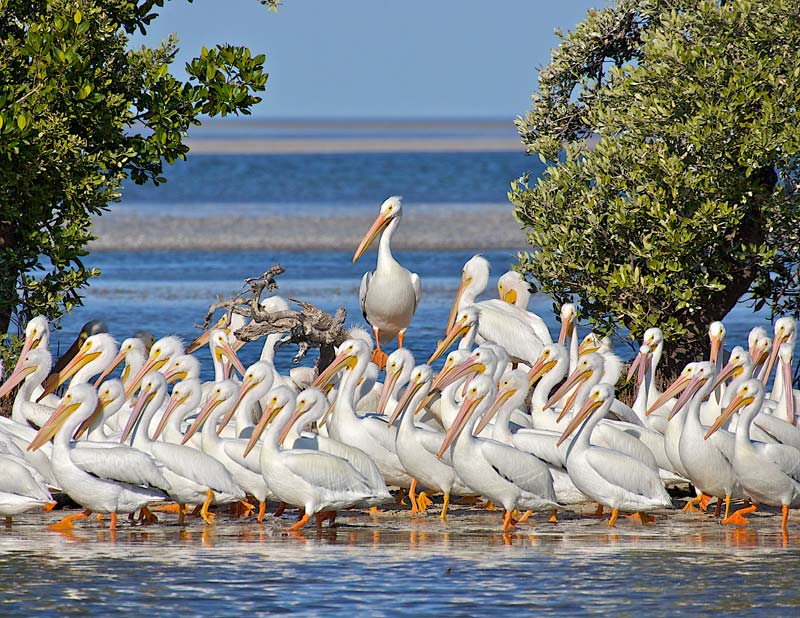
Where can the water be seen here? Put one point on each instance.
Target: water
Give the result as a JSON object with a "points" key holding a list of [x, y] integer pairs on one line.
{"points": [[395, 564]]}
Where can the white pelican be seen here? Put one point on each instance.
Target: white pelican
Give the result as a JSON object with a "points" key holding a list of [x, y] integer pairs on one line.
{"points": [[318, 482], [769, 473], [104, 478], [785, 331], [708, 463], [193, 476], [95, 354], [310, 406], [612, 364], [369, 433], [569, 316], [22, 488], [160, 354], [184, 401], [522, 333], [30, 369], [399, 366], [609, 477], [221, 400], [134, 353], [512, 288], [417, 446], [390, 294], [499, 472]]}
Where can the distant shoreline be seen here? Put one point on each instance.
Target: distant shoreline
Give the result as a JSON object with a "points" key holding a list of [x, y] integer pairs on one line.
{"points": [[326, 145], [446, 230]]}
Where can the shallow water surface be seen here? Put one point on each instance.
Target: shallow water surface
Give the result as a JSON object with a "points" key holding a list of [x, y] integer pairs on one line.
{"points": [[396, 564]]}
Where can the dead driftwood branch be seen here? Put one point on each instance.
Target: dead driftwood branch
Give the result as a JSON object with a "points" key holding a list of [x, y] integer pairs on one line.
{"points": [[309, 327]]}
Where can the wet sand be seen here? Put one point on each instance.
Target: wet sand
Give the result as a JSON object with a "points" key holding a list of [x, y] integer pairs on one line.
{"points": [[478, 229]]}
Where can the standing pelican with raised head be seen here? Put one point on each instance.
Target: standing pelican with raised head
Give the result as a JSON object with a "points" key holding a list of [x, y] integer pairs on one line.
{"points": [[390, 294]]}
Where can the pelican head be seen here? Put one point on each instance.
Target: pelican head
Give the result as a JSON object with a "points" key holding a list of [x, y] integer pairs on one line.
{"points": [[785, 331], [391, 210], [600, 397], [110, 397], [550, 356], [278, 398], [132, 345], [36, 362], [399, 366], [481, 361], [80, 397], [702, 373], [481, 388], [474, 279], [513, 386], [223, 393], [420, 380], [513, 289], [588, 365], [256, 382], [160, 354], [738, 362], [350, 352], [182, 367], [750, 393], [186, 395], [97, 352], [465, 320], [37, 335], [221, 348], [716, 333], [568, 316], [640, 364], [653, 337], [591, 343]]}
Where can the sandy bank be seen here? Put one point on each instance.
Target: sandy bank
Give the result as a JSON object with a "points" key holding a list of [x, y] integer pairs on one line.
{"points": [[439, 231]]}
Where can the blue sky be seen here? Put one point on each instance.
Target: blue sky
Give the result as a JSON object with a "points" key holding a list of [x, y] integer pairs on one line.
{"points": [[381, 59]]}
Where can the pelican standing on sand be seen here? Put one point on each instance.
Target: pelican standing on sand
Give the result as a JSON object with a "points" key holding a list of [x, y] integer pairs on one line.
{"points": [[390, 294]]}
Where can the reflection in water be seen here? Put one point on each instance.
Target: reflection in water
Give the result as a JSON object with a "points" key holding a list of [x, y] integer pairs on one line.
{"points": [[399, 565]]}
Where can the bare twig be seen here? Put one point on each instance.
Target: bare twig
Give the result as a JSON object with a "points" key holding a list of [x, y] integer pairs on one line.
{"points": [[310, 327]]}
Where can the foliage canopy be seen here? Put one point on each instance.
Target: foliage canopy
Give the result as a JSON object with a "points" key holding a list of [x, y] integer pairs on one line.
{"points": [[80, 111], [671, 135]]}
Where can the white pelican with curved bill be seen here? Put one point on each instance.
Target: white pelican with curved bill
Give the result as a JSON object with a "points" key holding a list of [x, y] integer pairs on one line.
{"points": [[160, 354], [194, 477], [609, 477], [390, 294], [708, 463], [370, 433], [310, 406], [318, 482], [769, 473], [92, 358], [228, 452], [30, 369], [417, 446], [785, 331], [102, 478], [499, 322], [503, 474]]}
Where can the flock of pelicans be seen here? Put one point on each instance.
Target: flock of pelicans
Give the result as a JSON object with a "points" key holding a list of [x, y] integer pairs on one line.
{"points": [[512, 418]]}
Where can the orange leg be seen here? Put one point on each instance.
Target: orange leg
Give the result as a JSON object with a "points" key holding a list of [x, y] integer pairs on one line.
{"points": [[490, 506], [644, 518], [49, 506], [302, 522], [169, 508], [738, 516], [207, 517], [412, 496], [400, 498], [554, 516], [785, 518], [66, 523], [598, 512], [262, 508], [443, 515], [508, 521], [379, 357], [706, 498], [614, 515], [423, 502], [691, 505], [525, 516], [181, 513], [400, 337], [113, 525]]}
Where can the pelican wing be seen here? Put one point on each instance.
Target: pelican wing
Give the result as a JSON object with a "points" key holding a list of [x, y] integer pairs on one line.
{"points": [[378, 429], [787, 458], [195, 466], [541, 444], [523, 469], [21, 479], [362, 293], [234, 448], [533, 321], [326, 471], [626, 472], [498, 324], [415, 281], [779, 429], [119, 463], [429, 439]]}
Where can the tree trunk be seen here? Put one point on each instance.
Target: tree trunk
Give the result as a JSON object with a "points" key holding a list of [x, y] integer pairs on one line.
{"points": [[8, 280]]}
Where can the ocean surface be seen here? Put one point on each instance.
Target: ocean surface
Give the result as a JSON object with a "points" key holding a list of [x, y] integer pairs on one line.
{"points": [[384, 566]]}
